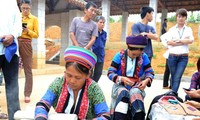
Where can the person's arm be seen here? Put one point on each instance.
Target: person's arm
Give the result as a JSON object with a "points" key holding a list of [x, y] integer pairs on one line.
{"points": [[35, 32], [17, 23], [73, 39], [193, 103], [194, 81], [151, 34], [93, 37], [187, 39], [113, 69], [193, 93], [99, 103], [16, 28], [91, 42], [149, 73], [72, 32], [44, 105]]}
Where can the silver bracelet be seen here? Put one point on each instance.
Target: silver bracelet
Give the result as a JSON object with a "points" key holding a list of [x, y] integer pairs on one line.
{"points": [[119, 80]]}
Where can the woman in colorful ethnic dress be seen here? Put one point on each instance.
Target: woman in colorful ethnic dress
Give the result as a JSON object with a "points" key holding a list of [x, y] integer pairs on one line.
{"points": [[125, 71], [75, 92]]}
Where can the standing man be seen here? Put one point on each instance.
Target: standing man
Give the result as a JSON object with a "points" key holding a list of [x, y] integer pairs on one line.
{"points": [[165, 55], [144, 29], [10, 29], [84, 30], [178, 39], [98, 48], [164, 26]]}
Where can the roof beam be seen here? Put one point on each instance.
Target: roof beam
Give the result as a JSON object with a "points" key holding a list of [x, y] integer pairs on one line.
{"points": [[51, 4], [162, 4]]}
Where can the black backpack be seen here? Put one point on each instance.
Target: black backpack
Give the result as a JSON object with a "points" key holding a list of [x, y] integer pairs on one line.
{"points": [[169, 93]]}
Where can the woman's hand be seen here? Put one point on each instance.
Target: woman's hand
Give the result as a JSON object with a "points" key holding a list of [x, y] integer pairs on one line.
{"points": [[193, 93], [126, 81], [193, 103], [25, 29], [142, 85], [7, 40]]}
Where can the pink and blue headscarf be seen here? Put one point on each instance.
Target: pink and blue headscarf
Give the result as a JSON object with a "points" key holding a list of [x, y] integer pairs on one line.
{"points": [[81, 56]]}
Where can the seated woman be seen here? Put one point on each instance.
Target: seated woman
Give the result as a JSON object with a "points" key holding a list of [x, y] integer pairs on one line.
{"points": [[125, 71], [195, 83], [75, 92]]}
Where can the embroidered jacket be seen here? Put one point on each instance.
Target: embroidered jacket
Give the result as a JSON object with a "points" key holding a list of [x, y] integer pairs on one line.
{"points": [[96, 106], [119, 65]]}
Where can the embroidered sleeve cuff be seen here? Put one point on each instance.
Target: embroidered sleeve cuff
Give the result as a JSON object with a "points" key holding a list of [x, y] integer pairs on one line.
{"points": [[118, 80]]}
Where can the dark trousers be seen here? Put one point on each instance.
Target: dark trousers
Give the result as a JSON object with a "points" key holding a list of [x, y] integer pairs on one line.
{"points": [[10, 71], [97, 72], [166, 75]]}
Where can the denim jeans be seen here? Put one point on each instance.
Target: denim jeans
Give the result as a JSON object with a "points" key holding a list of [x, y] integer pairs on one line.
{"points": [[10, 71], [97, 71], [177, 65]]}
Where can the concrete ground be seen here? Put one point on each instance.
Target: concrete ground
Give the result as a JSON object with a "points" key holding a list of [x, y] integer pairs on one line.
{"points": [[41, 83]]}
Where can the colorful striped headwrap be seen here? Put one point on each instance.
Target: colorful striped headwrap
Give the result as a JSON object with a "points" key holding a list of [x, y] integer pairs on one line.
{"points": [[81, 56]]}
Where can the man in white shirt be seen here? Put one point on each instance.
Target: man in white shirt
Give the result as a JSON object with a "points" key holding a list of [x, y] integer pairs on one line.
{"points": [[10, 29], [178, 39]]}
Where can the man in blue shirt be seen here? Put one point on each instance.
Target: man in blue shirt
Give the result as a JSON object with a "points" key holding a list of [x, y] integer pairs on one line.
{"points": [[98, 48], [144, 29]]}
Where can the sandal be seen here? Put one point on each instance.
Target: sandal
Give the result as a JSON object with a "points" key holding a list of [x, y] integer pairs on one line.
{"points": [[3, 116]]}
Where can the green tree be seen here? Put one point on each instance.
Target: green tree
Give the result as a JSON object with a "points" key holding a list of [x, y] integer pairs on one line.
{"points": [[120, 19], [112, 20], [172, 18], [191, 18], [198, 17]]}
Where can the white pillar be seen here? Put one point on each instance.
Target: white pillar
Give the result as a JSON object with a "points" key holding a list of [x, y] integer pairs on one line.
{"points": [[106, 13], [164, 14], [39, 50], [125, 25], [154, 5], [64, 25]]}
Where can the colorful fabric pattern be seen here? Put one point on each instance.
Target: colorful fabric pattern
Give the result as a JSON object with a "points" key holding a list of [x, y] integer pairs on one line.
{"points": [[195, 81], [119, 91], [84, 103], [80, 55], [118, 67], [93, 103]]}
